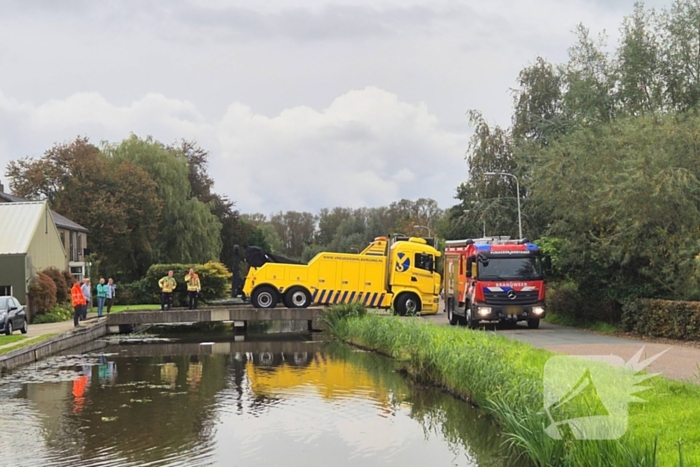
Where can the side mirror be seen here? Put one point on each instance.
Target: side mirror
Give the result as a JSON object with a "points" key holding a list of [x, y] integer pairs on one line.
{"points": [[470, 263], [13, 308]]}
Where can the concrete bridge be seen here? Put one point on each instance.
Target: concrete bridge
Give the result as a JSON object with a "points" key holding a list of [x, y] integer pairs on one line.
{"points": [[242, 314]]}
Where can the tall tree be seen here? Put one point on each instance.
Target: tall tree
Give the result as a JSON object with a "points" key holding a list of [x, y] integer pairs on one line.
{"points": [[638, 68], [680, 65], [589, 81], [538, 114], [116, 200], [189, 232], [295, 229]]}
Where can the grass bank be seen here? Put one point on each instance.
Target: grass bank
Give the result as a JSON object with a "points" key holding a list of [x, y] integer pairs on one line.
{"points": [[505, 379], [23, 342], [4, 340]]}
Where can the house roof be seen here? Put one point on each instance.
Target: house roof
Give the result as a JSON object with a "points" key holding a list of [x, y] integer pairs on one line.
{"points": [[18, 222], [12, 198], [62, 222]]}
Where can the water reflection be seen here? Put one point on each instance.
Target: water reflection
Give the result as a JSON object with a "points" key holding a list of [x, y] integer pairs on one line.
{"points": [[233, 403]]}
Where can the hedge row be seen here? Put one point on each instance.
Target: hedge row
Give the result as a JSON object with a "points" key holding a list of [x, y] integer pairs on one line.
{"points": [[214, 277], [662, 318]]}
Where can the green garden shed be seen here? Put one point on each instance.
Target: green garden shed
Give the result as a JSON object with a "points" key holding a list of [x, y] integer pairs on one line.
{"points": [[29, 242]]}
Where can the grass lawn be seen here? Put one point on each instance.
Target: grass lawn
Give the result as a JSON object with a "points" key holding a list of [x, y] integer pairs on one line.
{"points": [[24, 342], [120, 308], [505, 378]]}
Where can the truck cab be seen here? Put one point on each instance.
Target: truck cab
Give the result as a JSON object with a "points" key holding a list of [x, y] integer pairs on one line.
{"points": [[414, 272], [499, 280]]}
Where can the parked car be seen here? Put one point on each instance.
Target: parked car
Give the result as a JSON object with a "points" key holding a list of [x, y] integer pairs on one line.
{"points": [[12, 315]]}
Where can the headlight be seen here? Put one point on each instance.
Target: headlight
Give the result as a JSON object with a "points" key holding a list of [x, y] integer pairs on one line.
{"points": [[484, 310], [538, 310]]}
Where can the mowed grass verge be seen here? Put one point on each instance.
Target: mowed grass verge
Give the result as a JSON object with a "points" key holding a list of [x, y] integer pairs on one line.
{"points": [[5, 339], [505, 379], [23, 342], [120, 308]]}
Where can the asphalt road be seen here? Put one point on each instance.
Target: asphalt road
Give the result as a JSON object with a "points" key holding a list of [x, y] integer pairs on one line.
{"points": [[680, 360]]}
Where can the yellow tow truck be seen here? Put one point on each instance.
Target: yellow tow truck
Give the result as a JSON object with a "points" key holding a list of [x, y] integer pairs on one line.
{"points": [[398, 273]]}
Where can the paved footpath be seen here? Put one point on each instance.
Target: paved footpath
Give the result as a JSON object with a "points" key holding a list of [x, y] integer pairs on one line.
{"points": [[681, 360], [37, 330]]}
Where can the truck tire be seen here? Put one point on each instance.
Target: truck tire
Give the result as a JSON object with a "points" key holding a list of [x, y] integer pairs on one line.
{"points": [[297, 297], [264, 297], [407, 304], [533, 323], [471, 322], [452, 318]]}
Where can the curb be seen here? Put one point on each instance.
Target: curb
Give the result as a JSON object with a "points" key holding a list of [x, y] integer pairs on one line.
{"points": [[35, 352]]}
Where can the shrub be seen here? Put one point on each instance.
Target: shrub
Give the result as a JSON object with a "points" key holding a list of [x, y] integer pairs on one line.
{"points": [[215, 279], [563, 299], [42, 290], [569, 300], [662, 318], [62, 287], [58, 314], [135, 293]]}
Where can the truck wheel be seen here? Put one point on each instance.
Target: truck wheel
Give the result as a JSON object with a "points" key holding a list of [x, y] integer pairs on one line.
{"points": [[452, 318], [533, 323], [471, 322], [264, 297], [297, 297], [407, 304]]}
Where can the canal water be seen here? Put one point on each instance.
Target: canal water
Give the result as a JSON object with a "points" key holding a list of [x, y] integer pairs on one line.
{"points": [[224, 401]]}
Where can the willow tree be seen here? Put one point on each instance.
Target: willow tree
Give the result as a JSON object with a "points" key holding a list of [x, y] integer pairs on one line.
{"points": [[188, 231]]}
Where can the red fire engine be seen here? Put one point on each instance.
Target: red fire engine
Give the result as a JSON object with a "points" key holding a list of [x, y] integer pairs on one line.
{"points": [[494, 279]]}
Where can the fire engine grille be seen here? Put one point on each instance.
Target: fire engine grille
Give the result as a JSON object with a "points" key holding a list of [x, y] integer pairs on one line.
{"points": [[502, 298]]}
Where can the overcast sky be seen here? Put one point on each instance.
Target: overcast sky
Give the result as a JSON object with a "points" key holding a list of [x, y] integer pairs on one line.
{"points": [[302, 104]]}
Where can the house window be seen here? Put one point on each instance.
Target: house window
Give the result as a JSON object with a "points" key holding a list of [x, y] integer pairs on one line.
{"points": [[72, 246], [5, 290], [80, 245], [77, 272]]}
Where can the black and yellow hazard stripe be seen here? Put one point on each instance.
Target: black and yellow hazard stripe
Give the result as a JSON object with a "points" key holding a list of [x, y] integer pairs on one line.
{"points": [[333, 297]]}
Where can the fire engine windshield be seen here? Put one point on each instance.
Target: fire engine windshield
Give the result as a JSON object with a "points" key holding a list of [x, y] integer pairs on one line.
{"points": [[524, 268]]}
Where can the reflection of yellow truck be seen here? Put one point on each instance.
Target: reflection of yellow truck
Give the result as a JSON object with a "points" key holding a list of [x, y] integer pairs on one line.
{"points": [[398, 273]]}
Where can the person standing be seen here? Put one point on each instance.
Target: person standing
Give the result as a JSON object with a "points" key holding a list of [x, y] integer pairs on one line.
{"points": [[193, 288], [111, 294], [167, 285], [88, 296], [78, 300], [101, 296]]}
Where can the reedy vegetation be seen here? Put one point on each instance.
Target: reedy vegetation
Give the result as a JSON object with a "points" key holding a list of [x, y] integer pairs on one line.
{"points": [[504, 378]]}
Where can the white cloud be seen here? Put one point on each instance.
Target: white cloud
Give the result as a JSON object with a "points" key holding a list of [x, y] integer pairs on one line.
{"points": [[367, 148], [266, 86]]}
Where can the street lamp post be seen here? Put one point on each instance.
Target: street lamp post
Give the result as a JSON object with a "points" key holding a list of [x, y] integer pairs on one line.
{"points": [[517, 186], [430, 232]]}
